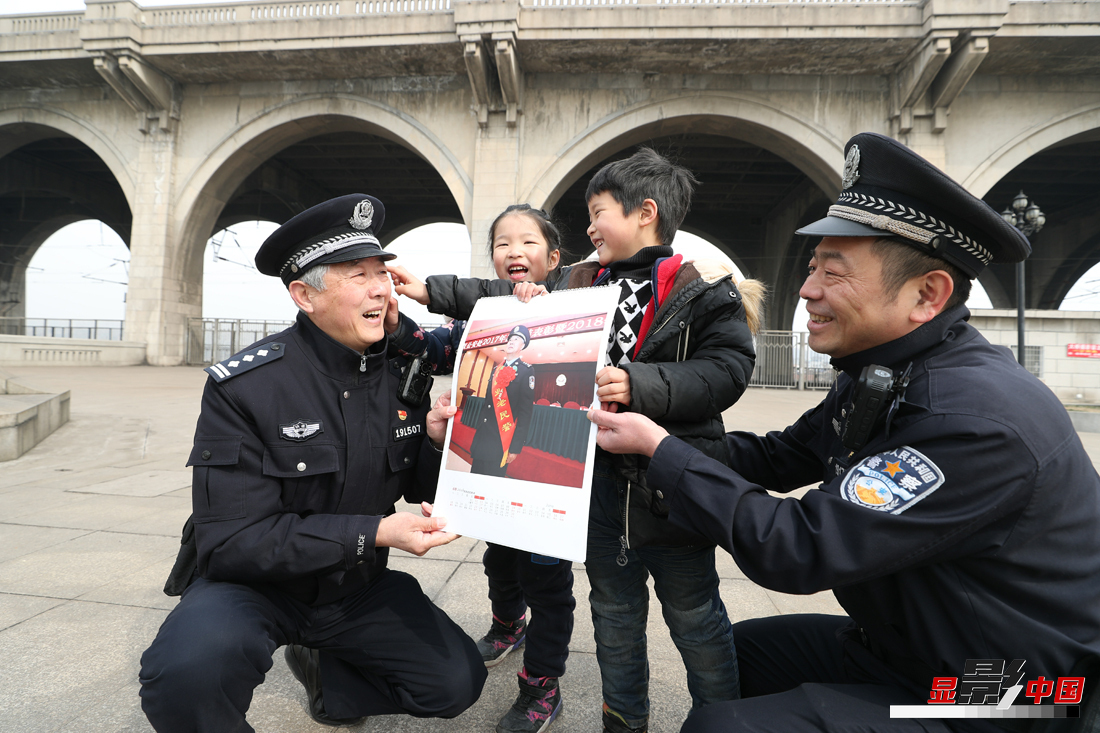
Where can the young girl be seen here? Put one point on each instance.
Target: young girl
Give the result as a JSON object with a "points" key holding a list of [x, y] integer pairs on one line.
{"points": [[524, 245]]}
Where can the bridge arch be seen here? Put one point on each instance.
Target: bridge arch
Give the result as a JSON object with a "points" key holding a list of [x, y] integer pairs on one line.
{"points": [[781, 132], [208, 188], [1034, 140], [799, 161], [24, 125], [55, 169], [1055, 164]]}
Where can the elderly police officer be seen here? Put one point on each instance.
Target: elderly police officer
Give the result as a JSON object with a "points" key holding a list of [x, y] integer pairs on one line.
{"points": [[958, 516], [506, 412], [301, 449]]}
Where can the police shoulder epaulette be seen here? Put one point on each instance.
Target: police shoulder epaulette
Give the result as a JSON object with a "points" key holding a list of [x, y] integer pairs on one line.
{"points": [[245, 361]]}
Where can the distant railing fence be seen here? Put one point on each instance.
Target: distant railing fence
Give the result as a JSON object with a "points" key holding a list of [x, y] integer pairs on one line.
{"points": [[784, 360], [73, 328], [215, 339], [1033, 358]]}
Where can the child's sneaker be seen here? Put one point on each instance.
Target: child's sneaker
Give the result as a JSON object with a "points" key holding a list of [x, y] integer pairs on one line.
{"points": [[501, 639], [539, 702]]}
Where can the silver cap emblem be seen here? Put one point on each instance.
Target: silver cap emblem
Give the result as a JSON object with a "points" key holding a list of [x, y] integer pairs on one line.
{"points": [[363, 215], [851, 167]]}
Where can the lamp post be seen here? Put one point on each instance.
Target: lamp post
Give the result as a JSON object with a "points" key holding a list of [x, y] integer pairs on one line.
{"points": [[1029, 219]]}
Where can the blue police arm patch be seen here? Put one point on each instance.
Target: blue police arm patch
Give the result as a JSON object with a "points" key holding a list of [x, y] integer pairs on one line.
{"points": [[245, 361], [892, 481]]}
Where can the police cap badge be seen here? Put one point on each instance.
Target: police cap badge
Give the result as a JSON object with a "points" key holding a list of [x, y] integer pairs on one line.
{"points": [[890, 191], [338, 230]]}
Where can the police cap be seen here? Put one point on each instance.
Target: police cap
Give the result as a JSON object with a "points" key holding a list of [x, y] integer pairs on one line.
{"points": [[338, 230], [523, 333], [891, 191]]}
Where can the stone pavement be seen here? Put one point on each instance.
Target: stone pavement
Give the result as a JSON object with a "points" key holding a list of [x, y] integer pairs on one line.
{"points": [[89, 527]]}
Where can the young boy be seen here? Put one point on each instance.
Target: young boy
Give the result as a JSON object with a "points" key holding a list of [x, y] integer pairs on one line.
{"points": [[680, 352]]}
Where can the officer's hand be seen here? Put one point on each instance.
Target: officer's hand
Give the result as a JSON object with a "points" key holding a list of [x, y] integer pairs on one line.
{"points": [[512, 457], [405, 283], [525, 291], [392, 316], [411, 533], [628, 432], [614, 385], [437, 419]]}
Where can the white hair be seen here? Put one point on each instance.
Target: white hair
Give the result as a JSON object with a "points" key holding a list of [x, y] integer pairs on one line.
{"points": [[314, 277]]}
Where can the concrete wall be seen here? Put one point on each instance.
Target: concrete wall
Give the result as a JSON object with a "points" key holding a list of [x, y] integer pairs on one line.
{"points": [[1073, 379], [45, 351], [27, 416]]}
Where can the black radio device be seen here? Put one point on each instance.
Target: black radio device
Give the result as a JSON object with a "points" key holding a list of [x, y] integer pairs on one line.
{"points": [[416, 381], [874, 401]]}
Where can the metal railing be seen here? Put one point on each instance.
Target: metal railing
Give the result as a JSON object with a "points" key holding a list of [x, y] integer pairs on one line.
{"points": [[73, 328], [785, 360], [288, 10], [215, 339], [1033, 358]]}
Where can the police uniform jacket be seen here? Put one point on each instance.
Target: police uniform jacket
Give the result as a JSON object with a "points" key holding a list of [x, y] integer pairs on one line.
{"points": [[970, 531], [521, 398], [301, 448]]}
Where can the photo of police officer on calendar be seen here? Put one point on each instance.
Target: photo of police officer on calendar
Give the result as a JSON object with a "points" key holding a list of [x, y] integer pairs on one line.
{"points": [[524, 391]]}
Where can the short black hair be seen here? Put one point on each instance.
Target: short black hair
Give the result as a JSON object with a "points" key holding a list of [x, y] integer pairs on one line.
{"points": [[901, 262], [648, 175], [549, 230]]}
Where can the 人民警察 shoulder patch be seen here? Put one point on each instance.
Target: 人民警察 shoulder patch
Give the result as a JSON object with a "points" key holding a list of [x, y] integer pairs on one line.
{"points": [[891, 481], [245, 361]]}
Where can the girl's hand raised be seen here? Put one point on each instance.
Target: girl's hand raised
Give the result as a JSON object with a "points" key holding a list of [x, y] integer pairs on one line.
{"points": [[405, 283]]}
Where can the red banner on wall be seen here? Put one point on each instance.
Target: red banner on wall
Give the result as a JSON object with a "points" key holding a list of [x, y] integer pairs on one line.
{"points": [[1086, 351]]}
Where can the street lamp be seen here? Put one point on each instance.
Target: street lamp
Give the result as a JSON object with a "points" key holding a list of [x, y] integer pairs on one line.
{"points": [[1029, 219]]}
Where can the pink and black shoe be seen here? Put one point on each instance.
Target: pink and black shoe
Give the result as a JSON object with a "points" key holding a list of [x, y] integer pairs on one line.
{"points": [[502, 638], [539, 702]]}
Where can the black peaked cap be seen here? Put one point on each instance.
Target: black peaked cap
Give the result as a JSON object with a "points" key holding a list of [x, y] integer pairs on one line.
{"points": [[523, 333], [338, 230], [891, 191]]}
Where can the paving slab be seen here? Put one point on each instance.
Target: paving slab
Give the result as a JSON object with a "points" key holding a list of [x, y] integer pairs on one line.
{"points": [[15, 608], [83, 564], [144, 483], [66, 659]]}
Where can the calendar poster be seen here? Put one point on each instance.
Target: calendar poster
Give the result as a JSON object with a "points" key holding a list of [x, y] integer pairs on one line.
{"points": [[517, 463]]}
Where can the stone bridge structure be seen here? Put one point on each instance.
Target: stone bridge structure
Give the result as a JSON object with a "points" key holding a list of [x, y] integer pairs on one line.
{"points": [[171, 123]]}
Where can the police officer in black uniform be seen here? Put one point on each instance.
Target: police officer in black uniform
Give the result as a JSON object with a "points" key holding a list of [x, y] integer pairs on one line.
{"points": [[957, 516], [486, 448], [301, 449]]}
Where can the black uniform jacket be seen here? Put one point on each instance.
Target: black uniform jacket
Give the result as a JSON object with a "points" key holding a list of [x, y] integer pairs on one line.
{"points": [[521, 398], [972, 531], [696, 361], [297, 460]]}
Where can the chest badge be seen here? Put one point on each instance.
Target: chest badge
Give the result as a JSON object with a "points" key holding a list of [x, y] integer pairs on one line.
{"points": [[892, 481], [402, 415], [301, 430]]}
